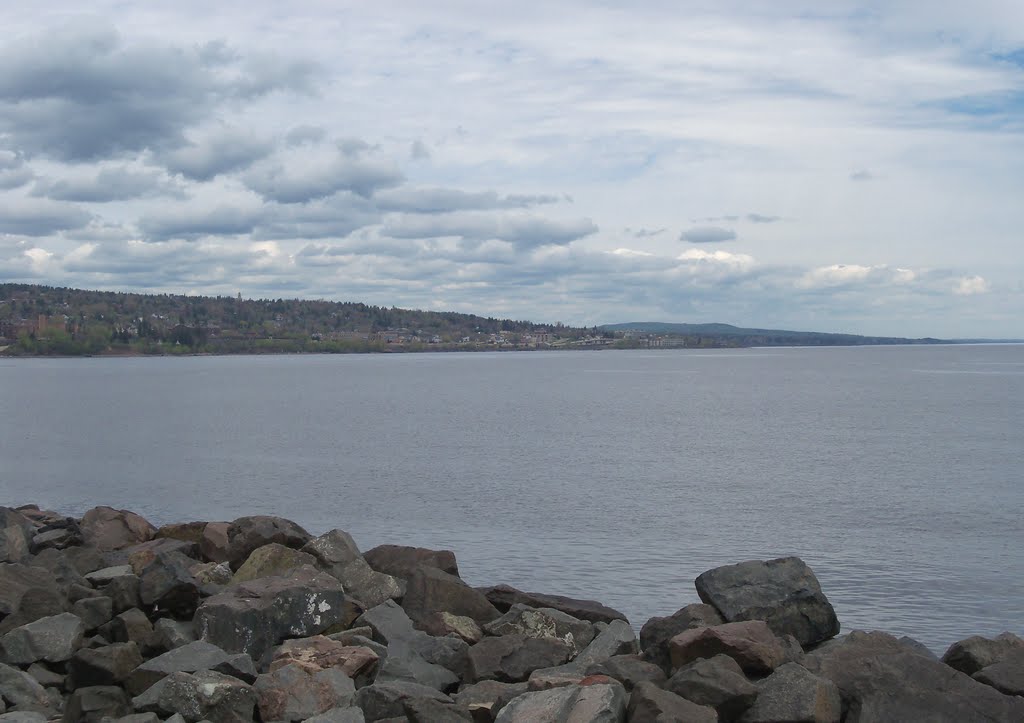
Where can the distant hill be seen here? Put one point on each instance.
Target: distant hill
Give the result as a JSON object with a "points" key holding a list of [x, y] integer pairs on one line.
{"points": [[740, 336]]}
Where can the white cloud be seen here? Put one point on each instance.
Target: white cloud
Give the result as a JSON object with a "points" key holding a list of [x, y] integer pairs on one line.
{"points": [[971, 286]]}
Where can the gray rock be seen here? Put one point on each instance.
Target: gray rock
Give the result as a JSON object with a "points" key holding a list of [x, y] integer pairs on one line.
{"points": [[543, 623], [717, 682], [387, 700], [617, 638], [401, 561], [656, 632], [214, 545], [430, 590], [784, 593], [504, 597], [292, 693], [339, 715], [592, 704], [425, 710], [170, 634], [130, 626], [441, 624], [512, 658], [319, 652], [247, 533], [27, 593], [94, 611], [336, 553], [206, 695], [108, 529], [55, 539], [974, 653], [792, 693], [879, 679], [106, 574], [269, 560], [138, 718], [123, 591], [751, 644], [94, 703], [185, 531], [46, 677], [23, 716], [106, 665], [139, 556], [21, 689], [483, 696], [651, 704], [199, 655], [16, 533], [255, 616], [1006, 676], [628, 670], [53, 639], [64, 571], [167, 586]]}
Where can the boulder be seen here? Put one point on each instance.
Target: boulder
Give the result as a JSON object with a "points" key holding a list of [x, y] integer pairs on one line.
{"points": [[504, 597], [27, 593], [254, 616], [57, 538], [974, 653], [207, 695], [793, 693], [169, 634], [108, 529], [427, 710], [319, 653], [783, 593], [16, 534], [184, 531], [401, 561], [628, 670], [751, 644], [46, 677], [387, 700], [199, 655], [140, 555], [879, 679], [167, 586], [443, 623], [339, 715], [651, 704], [96, 703], [105, 665], [22, 690], [615, 638], [294, 693], [268, 560], [511, 658], [94, 611], [543, 623], [336, 553], [65, 574], [430, 590], [131, 625], [247, 533], [123, 591], [213, 543], [1006, 676], [483, 696], [604, 703], [656, 632], [53, 639], [717, 682]]}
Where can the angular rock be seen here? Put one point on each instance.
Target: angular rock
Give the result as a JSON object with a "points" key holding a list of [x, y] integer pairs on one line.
{"points": [[199, 655], [21, 689], [651, 704], [207, 695], [254, 616], [138, 718], [45, 677], [319, 653], [792, 693], [390, 625], [336, 553], [214, 545], [27, 593], [108, 529], [717, 682], [139, 556], [617, 638], [656, 632], [106, 665], [293, 693], [123, 591], [16, 534], [484, 695], [268, 560], [94, 611], [751, 644], [401, 561], [339, 715], [591, 703], [784, 593], [130, 626], [53, 639], [430, 590], [1006, 676], [387, 700], [95, 703], [504, 597], [511, 658], [247, 533], [974, 653], [628, 670], [184, 531], [169, 634], [167, 586], [879, 679], [543, 623], [426, 710], [441, 624]]}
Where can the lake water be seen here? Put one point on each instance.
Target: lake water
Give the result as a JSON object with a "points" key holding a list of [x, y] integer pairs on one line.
{"points": [[895, 472]]}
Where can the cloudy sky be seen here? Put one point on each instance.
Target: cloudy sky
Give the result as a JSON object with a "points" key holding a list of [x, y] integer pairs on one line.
{"points": [[835, 166]]}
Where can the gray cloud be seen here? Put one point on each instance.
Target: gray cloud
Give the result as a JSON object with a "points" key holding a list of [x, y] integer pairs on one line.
{"points": [[190, 224], [336, 217], [862, 175], [275, 182], [110, 184], [83, 94], [301, 135], [444, 200], [707, 235], [646, 232], [418, 151], [522, 230], [223, 152], [761, 218], [40, 218]]}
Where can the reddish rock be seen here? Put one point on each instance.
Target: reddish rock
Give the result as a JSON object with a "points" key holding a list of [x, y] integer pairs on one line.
{"points": [[108, 529], [752, 644], [319, 652]]}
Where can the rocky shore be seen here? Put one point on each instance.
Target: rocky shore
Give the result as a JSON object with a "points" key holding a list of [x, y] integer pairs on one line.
{"points": [[108, 618]]}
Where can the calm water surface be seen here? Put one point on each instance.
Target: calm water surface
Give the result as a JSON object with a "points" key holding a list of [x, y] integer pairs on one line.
{"points": [[895, 472]]}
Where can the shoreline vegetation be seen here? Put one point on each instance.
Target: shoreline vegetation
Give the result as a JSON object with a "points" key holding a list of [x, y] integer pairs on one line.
{"points": [[106, 617], [50, 321]]}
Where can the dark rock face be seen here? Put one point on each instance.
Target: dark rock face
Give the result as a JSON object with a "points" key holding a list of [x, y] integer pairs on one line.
{"points": [[167, 586], [656, 632], [430, 590], [105, 665], [651, 704], [543, 623], [511, 658], [1006, 676], [272, 559], [630, 670], [717, 682], [247, 533], [53, 639], [783, 592], [207, 695], [792, 693], [750, 643], [16, 534], [108, 529], [96, 703], [881, 680], [974, 653], [21, 689], [504, 597], [292, 693], [255, 616], [401, 561], [26, 594], [387, 700], [199, 655], [599, 702]]}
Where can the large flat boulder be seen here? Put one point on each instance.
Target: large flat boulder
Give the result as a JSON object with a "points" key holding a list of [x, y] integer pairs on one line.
{"points": [[108, 529], [504, 597], [53, 639], [751, 644], [784, 593], [254, 616]]}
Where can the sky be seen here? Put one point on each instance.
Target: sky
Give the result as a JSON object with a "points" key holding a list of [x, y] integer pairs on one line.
{"points": [[829, 166]]}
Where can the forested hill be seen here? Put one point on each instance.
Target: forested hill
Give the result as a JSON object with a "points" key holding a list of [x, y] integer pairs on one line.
{"points": [[757, 337]]}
